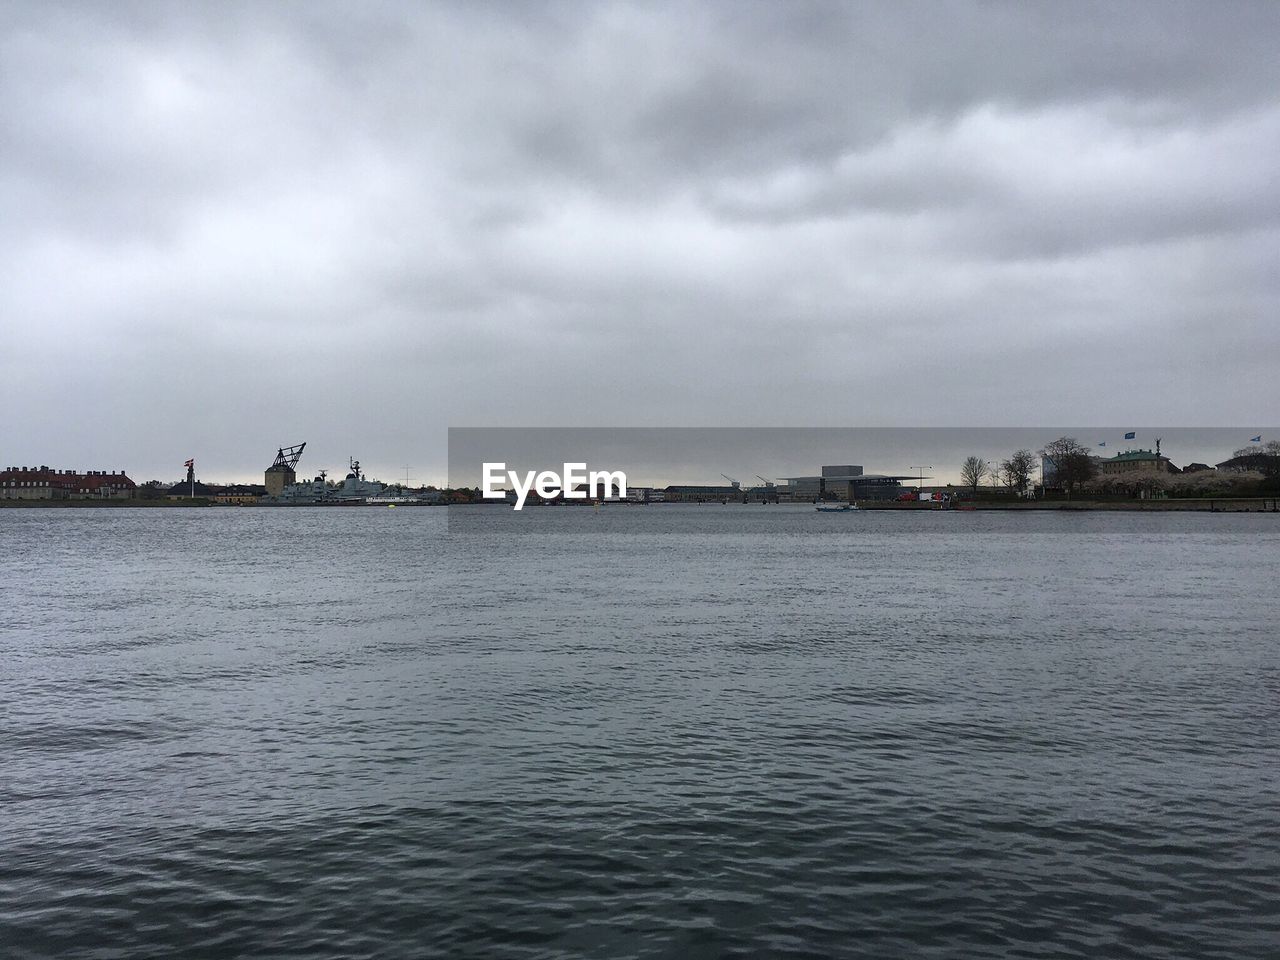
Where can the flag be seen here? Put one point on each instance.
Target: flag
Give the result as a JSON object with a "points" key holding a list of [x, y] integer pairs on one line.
{"points": [[190, 464], [1102, 443], [1130, 435], [1257, 439]]}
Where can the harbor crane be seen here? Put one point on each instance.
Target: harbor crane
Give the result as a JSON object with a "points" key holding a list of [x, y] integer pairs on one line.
{"points": [[288, 457], [769, 484], [732, 482], [280, 474]]}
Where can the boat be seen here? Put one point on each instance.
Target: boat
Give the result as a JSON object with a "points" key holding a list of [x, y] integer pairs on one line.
{"points": [[354, 489], [835, 507]]}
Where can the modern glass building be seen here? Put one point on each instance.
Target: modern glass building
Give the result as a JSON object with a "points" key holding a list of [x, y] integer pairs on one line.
{"points": [[845, 482]]}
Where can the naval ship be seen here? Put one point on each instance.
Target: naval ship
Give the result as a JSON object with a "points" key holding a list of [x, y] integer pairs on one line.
{"points": [[353, 489]]}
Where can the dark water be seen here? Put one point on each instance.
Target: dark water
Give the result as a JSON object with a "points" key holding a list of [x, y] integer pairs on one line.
{"points": [[755, 733]]}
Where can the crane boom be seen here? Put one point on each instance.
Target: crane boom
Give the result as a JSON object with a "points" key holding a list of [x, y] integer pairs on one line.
{"points": [[289, 456]]}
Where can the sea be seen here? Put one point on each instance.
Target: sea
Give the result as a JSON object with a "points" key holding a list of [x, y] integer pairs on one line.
{"points": [[665, 731]]}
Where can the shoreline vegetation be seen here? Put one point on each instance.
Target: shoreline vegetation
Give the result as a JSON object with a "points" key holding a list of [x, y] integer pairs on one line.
{"points": [[1202, 504]]}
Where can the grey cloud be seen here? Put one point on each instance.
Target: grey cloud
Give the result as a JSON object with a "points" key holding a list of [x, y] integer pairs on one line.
{"points": [[237, 225]]}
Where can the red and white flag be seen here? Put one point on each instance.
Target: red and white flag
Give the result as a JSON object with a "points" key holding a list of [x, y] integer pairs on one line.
{"points": [[190, 464]]}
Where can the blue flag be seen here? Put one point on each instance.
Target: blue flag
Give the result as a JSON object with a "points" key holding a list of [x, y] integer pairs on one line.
{"points": [[1130, 435], [1102, 443], [1257, 439]]}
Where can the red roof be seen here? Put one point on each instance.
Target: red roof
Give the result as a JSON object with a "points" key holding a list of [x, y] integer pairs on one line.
{"points": [[64, 479]]}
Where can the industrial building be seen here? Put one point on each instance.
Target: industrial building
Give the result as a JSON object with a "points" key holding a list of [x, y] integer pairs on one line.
{"points": [[43, 483], [281, 473]]}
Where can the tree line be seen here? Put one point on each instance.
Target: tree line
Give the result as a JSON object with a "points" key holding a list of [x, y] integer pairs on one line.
{"points": [[1071, 462], [1015, 473], [1070, 465]]}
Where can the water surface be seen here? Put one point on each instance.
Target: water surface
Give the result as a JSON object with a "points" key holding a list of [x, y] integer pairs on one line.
{"points": [[670, 731]]}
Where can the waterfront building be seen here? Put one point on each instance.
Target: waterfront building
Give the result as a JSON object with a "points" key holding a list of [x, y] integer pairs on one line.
{"points": [[186, 489], [225, 493], [277, 479], [843, 482], [281, 474], [1137, 461], [237, 494], [43, 483], [1048, 472], [697, 493]]}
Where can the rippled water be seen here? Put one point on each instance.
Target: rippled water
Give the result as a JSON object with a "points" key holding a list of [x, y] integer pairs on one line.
{"points": [[644, 732]]}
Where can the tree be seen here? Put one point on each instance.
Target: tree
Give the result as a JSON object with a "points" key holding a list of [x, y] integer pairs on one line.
{"points": [[1269, 449], [1207, 481], [1264, 458], [1016, 471], [1068, 463], [972, 472], [1142, 483], [1103, 484]]}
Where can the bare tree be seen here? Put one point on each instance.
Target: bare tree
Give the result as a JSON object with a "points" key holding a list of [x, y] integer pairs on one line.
{"points": [[1016, 471], [973, 471], [1070, 461], [1264, 458], [1269, 449]]}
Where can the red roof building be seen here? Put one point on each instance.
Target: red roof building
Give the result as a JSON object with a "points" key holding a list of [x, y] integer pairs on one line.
{"points": [[43, 483]]}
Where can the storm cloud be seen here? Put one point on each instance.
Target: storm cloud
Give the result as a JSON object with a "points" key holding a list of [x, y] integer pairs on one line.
{"points": [[227, 227]]}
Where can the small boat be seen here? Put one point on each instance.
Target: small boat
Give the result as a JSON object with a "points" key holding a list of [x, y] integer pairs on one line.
{"points": [[834, 507]]}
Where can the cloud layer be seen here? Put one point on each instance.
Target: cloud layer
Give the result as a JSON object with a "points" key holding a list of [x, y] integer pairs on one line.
{"points": [[230, 227]]}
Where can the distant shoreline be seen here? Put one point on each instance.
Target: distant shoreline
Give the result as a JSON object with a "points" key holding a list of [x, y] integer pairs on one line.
{"points": [[1170, 505], [92, 504]]}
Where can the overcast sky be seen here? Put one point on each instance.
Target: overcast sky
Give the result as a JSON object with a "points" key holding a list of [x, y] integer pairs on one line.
{"points": [[227, 227]]}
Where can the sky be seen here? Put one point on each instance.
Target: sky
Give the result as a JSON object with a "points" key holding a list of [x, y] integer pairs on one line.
{"points": [[230, 227]]}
